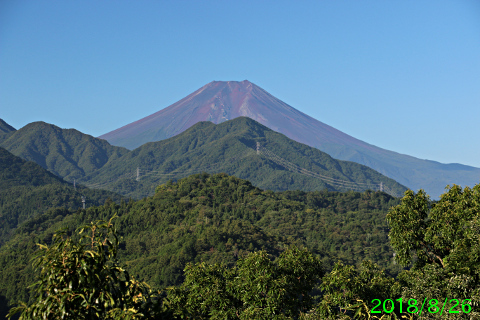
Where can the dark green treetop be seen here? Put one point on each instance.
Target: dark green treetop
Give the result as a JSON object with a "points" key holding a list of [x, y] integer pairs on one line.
{"points": [[441, 241], [256, 288]]}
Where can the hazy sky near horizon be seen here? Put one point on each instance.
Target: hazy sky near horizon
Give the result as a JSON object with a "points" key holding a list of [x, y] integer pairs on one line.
{"points": [[401, 75]]}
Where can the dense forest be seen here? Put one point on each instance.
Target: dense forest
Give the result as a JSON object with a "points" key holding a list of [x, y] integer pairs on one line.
{"points": [[219, 226], [215, 218]]}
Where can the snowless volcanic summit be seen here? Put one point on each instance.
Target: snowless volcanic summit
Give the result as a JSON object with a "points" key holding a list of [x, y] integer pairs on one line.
{"points": [[220, 101]]}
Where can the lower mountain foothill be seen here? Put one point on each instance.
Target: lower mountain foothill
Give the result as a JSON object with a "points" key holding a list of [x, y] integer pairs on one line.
{"points": [[241, 147]]}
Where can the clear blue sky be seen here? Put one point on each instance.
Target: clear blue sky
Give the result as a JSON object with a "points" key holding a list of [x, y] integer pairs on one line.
{"points": [[402, 75]]}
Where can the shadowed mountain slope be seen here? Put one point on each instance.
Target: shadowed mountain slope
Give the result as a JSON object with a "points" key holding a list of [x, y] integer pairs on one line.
{"points": [[220, 101], [67, 153], [5, 130], [27, 190], [230, 147], [5, 127], [15, 171]]}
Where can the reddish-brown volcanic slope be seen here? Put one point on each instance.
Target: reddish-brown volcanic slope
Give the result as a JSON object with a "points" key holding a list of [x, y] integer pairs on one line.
{"points": [[220, 101]]}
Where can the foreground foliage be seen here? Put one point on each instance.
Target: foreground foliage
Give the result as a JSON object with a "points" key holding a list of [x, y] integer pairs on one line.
{"points": [[256, 288], [348, 291], [83, 280], [441, 241]]}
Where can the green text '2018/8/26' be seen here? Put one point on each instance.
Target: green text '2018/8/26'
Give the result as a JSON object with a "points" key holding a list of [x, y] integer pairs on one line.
{"points": [[454, 306]]}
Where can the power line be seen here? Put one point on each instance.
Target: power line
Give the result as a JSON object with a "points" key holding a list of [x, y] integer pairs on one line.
{"points": [[260, 150], [152, 174], [358, 186]]}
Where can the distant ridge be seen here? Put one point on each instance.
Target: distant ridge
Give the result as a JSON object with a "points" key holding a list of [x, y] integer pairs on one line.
{"points": [[219, 101], [68, 153], [230, 147]]}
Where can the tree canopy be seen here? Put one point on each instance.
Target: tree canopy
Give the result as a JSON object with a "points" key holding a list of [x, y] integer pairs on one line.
{"points": [[241, 256], [82, 279], [441, 242]]}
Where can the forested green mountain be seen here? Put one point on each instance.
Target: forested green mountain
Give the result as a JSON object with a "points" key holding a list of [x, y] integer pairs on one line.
{"points": [[215, 218], [67, 153], [230, 147], [27, 190]]}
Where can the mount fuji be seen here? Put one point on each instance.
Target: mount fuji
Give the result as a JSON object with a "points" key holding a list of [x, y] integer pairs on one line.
{"points": [[219, 101]]}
